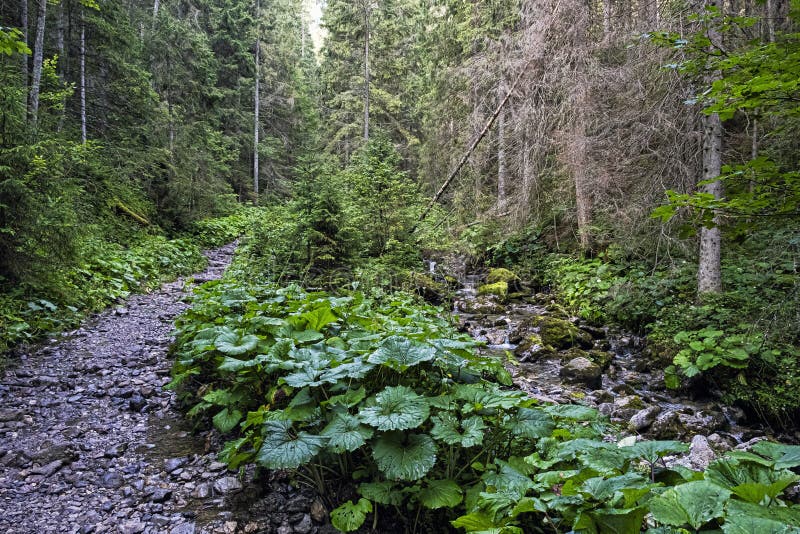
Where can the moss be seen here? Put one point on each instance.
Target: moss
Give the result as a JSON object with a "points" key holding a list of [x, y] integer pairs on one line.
{"points": [[532, 348], [502, 275], [561, 333], [499, 289]]}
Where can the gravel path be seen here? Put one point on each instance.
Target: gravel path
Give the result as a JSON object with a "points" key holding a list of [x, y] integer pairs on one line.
{"points": [[90, 442]]}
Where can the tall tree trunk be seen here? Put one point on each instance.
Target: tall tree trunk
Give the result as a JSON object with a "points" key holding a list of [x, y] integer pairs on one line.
{"points": [[257, 107], [23, 22], [62, 75], [38, 58], [156, 4], [709, 268], [83, 78], [502, 163], [709, 271], [366, 70]]}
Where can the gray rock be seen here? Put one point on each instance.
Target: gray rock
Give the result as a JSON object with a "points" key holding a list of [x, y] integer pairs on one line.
{"points": [[11, 415], [700, 452], [202, 491], [172, 464], [137, 403], [48, 469], [183, 528], [115, 451], [132, 527], [227, 485], [644, 418], [285, 528], [161, 495], [112, 479], [582, 370], [304, 526]]}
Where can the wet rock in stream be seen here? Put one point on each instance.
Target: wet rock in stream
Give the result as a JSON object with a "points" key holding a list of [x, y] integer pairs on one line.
{"points": [[90, 440]]}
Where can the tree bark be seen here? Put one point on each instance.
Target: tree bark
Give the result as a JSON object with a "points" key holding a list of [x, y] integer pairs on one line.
{"points": [[156, 4], [502, 164], [38, 58], [257, 108], [709, 267], [366, 70], [23, 21], [83, 79]]}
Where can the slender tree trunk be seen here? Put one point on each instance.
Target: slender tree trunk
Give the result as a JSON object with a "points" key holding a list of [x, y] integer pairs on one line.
{"points": [[709, 272], [156, 4], [257, 108], [502, 164], [61, 58], [366, 70], [38, 58], [709, 268], [83, 79], [23, 21]]}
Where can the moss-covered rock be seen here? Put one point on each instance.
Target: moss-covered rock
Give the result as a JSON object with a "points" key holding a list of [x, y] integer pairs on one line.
{"points": [[561, 333], [532, 348], [483, 305], [504, 275], [583, 371], [498, 289]]}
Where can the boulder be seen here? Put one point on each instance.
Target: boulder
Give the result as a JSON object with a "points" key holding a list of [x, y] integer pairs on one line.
{"points": [[582, 370], [532, 348], [483, 305], [601, 358], [512, 281], [700, 452], [427, 287], [560, 333], [498, 289], [644, 418]]}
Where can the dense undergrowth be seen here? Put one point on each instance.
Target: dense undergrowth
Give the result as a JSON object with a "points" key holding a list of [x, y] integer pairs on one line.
{"points": [[108, 272], [379, 404]]}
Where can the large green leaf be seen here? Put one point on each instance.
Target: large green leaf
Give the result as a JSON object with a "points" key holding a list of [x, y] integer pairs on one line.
{"points": [[618, 521], [349, 517], [693, 503], [440, 494], [234, 344], [320, 317], [346, 433], [400, 353], [748, 518], [785, 456], [404, 456], [283, 449], [603, 489], [396, 408], [383, 492], [531, 423], [226, 419], [466, 433], [652, 451]]}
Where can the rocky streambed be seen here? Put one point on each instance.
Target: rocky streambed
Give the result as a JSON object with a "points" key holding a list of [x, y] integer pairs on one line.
{"points": [[558, 358], [90, 440]]}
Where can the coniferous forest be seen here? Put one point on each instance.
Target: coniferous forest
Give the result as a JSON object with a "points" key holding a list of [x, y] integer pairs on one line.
{"points": [[424, 266]]}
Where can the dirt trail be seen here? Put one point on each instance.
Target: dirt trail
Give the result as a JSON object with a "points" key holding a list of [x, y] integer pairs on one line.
{"points": [[89, 441]]}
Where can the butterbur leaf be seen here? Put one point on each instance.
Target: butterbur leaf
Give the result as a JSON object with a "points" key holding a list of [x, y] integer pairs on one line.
{"points": [[693, 503], [785, 456], [573, 411], [653, 450], [404, 456], [467, 433], [346, 433], [396, 408], [233, 344], [747, 518], [400, 353], [531, 423], [284, 450], [320, 317], [619, 521], [349, 517], [227, 419], [381, 492], [440, 494]]}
